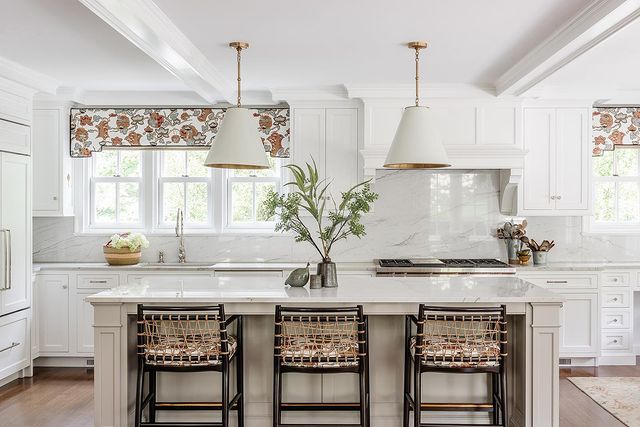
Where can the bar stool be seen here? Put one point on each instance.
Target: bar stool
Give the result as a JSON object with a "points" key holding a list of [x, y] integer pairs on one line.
{"points": [[318, 341], [459, 340], [187, 339]]}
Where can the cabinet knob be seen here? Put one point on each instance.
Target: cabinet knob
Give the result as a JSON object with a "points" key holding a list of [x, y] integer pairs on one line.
{"points": [[64, 286], [615, 299], [55, 197], [615, 279], [553, 197], [558, 197], [615, 341], [615, 320]]}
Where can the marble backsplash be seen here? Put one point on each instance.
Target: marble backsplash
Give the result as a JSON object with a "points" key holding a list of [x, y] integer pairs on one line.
{"points": [[418, 214]]}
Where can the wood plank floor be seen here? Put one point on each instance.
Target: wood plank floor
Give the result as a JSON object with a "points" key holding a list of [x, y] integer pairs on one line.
{"points": [[57, 397]]}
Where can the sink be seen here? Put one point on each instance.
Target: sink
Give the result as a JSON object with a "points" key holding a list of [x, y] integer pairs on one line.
{"points": [[160, 265]]}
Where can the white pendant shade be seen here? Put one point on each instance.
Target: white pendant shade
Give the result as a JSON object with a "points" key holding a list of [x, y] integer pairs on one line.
{"points": [[417, 143], [237, 144]]}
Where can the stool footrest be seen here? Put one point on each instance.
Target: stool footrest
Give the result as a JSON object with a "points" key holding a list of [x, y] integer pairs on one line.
{"points": [[319, 406], [180, 424], [479, 407], [192, 406]]}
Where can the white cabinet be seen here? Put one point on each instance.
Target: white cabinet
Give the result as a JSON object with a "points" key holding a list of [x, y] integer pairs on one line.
{"points": [[53, 192], [556, 167], [84, 323], [53, 313], [579, 330], [14, 343], [330, 137], [15, 138], [15, 221]]}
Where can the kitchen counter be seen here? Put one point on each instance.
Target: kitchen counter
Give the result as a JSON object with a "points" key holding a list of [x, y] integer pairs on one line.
{"points": [[579, 266], [196, 266], [533, 323]]}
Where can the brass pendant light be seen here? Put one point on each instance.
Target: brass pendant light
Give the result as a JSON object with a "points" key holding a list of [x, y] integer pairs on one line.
{"points": [[237, 144], [417, 143]]}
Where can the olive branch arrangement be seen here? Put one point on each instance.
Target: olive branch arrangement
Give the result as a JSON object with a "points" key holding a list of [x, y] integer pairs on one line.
{"points": [[334, 223]]}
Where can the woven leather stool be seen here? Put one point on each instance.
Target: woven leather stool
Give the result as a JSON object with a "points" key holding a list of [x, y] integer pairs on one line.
{"points": [[456, 340], [187, 339], [319, 341]]}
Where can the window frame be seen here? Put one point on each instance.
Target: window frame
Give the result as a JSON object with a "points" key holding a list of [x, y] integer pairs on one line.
{"points": [[150, 180], [590, 225]]}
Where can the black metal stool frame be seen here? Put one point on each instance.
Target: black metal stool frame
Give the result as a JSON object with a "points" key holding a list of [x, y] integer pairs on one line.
{"points": [[362, 368], [225, 406], [498, 405]]}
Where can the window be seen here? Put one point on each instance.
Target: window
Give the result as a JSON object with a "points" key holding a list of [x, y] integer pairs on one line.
{"points": [[116, 190], [616, 191], [246, 190], [143, 190]]}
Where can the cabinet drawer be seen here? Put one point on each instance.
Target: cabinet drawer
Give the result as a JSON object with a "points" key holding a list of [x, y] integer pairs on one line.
{"points": [[615, 297], [14, 351], [564, 281], [245, 273], [612, 318], [615, 279], [615, 340], [98, 281]]}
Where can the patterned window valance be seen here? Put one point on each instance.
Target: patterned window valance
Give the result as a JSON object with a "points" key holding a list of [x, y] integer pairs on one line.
{"points": [[160, 128], [615, 126]]}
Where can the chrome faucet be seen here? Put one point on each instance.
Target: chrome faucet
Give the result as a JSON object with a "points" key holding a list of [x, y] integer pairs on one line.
{"points": [[182, 254]]}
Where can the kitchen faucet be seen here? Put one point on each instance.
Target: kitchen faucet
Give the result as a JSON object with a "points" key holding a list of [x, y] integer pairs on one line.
{"points": [[182, 254]]}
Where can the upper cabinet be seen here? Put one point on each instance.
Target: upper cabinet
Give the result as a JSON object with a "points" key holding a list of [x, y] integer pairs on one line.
{"points": [[15, 102], [330, 137], [556, 172], [52, 171]]}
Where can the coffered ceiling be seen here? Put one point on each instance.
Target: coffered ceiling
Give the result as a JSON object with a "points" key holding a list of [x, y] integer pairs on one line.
{"points": [[508, 47]]}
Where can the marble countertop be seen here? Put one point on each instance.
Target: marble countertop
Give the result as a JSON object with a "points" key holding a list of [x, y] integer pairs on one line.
{"points": [[578, 266], [351, 290]]}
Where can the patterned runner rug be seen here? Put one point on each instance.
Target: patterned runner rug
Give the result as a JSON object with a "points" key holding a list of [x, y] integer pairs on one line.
{"points": [[620, 396]]}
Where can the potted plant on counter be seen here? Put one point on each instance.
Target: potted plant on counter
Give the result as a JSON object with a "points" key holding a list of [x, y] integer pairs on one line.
{"points": [[330, 221], [125, 248]]}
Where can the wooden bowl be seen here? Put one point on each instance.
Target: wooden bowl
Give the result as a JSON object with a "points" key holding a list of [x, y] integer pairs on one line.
{"points": [[121, 256]]}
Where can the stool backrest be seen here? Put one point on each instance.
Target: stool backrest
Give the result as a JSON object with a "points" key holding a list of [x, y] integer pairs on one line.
{"points": [[461, 335], [182, 335], [320, 335]]}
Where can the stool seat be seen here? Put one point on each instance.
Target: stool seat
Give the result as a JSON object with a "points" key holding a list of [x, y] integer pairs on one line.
{"points": [[178, 351], [442, 351]]}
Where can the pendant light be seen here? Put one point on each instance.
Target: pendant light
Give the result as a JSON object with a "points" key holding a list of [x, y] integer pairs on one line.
{"points": [[417, 143], [237, 144]]}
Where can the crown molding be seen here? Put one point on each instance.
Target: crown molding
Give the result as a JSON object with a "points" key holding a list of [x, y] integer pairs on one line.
{"points": [[147, 27], [591, 26], [428, 91], [27, 77], [317, 93]]}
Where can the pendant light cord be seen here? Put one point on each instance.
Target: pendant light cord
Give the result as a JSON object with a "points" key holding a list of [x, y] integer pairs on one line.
{"points": [[238, 50], [417, 76]]}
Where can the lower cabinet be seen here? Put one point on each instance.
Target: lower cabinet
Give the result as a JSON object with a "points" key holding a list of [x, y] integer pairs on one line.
{"points": [[15, 343], [53, 313], [84, 323], [579, 330]]}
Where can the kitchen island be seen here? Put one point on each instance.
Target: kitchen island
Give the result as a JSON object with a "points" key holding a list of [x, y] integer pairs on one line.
{"points": [[533, 322]]}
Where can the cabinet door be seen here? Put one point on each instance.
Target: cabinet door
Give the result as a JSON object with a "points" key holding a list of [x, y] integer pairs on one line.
{"points": [[53, 313], [341, 149], [15, 138], [572, 159], [84, 323], [579, 324], [46, 152], [539, 167], [15, 216], [308, 139]]}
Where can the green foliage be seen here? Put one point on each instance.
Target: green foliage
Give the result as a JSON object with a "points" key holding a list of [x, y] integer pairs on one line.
{"points": [[310, 194]]}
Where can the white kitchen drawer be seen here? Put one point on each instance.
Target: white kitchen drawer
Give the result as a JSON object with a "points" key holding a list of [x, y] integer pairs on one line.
{"points": [[615, 279], [245, 273], [615, 297], [614, 318], [14, 343], [98, 281], [563, 281], [618, 340]]}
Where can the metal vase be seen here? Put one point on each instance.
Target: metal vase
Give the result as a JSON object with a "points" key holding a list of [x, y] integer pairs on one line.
{"points": [[327, 269], [540, 257], [512, 250]]}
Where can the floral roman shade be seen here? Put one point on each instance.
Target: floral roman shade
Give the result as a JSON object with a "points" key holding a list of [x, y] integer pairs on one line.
{"points": [[92, 129], [615, 126]]}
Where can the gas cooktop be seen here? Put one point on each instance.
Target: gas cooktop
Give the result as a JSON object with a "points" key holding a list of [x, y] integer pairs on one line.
{"points": [[433, 266]]}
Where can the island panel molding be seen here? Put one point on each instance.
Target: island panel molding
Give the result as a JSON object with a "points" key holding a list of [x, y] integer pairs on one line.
{"points": [[92, 129]]}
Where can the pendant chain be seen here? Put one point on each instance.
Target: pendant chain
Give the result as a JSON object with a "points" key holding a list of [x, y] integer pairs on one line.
{"points": [[238, 49], [417, 76]]}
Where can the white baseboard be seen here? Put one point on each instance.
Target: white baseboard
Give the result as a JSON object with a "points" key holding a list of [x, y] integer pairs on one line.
{"points": [[617, 360], [579, 361], [10, 378], [636, 349], [64, 362]]}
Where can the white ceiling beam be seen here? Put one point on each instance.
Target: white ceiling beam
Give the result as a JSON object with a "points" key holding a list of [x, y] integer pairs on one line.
{"points": [[147, 27], [594, 24]]}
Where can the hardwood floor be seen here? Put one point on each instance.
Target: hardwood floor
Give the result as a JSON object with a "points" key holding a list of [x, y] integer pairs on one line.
{"points": [[577, 409], [63, 397], [54, 397]]}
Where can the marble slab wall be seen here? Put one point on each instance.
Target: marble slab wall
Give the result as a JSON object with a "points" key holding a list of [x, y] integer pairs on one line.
{"points": [[419, 213]]}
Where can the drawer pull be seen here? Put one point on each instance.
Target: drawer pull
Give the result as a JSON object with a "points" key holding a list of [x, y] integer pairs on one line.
{"points": [[556, 281], [13, 344], [97, 281], [615, 341], [615, 298], [615, 279], [615, 320]]}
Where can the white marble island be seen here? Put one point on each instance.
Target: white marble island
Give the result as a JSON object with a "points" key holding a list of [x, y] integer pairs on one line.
{"points": [[534, 317]]}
